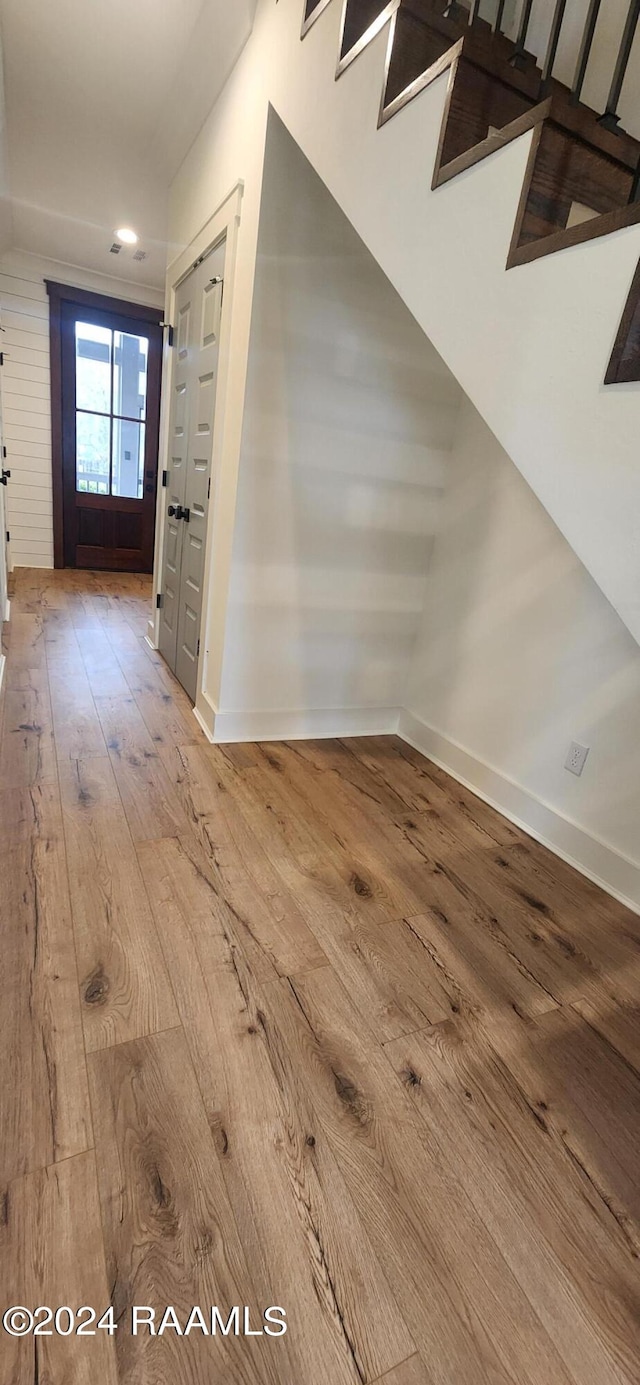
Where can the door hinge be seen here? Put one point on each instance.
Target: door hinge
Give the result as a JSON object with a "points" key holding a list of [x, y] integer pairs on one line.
{"points": [[159, 600], [8, 537], [165, 478], [198, 649], [169, 330], [1, 357], [209, 489], [4, 451]]}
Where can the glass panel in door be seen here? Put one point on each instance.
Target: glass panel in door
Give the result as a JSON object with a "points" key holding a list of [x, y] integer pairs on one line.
{"points": [[111, 409]]}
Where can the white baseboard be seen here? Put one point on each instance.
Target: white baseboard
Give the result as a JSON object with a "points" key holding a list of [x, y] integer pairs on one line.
{"points": [[315, 724], [599, 861], [594, 858], [2, 668], [37, 562], [7, 610], [204, 725]]}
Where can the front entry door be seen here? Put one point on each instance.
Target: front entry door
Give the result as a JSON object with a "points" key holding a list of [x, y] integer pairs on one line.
{"points": [[110, 358], [195, 376]]}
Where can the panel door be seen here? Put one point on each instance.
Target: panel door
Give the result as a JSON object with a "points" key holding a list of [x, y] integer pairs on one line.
{"points": [[174, 493], [5, 473], [204, 379], [199, 308]]}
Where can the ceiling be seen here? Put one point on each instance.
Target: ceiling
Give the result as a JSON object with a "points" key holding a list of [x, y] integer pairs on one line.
{"points": [[102, 100]]}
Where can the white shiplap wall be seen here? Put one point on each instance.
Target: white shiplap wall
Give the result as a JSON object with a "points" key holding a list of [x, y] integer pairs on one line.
{"points": [[27, 416], [24, 310]]}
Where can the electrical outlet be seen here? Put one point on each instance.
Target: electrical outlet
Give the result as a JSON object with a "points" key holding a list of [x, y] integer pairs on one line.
{"points": [[577, 757]]}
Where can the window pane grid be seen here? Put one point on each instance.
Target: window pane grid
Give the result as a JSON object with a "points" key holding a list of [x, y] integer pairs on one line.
{"points": [[111, 377], [111, 424], [99, 413]]}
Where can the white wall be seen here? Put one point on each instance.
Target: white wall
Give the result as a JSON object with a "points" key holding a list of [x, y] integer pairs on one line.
{"points": [[27, 415], [518, 655], [348, 420], [24, 311], [529, 346]]}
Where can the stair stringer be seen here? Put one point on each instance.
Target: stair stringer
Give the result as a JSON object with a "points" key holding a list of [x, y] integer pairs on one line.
{"points": [[530, 346]]}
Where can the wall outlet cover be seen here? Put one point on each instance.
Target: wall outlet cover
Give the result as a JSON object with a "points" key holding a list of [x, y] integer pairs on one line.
{"points": [[576, 759]]}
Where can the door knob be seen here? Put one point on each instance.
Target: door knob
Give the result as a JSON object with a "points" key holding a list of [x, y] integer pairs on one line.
{"points": [[5, 477], [173, 510]]}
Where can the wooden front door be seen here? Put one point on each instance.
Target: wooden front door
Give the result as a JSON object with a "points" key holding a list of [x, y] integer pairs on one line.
{"points": [[106, 410]]}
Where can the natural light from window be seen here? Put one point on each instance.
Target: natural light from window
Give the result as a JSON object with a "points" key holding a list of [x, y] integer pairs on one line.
{"points": [[111, 402]]}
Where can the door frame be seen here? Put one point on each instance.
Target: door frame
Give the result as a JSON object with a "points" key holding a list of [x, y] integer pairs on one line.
{"points": [[4, 566], [223, 225], [82, 298], [5, 558]]}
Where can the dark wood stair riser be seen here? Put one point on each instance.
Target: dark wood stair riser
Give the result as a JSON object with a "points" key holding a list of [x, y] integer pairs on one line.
{"points": [[567, 171], [359, 15], [624, 366], [416, 47], [478, 103]]}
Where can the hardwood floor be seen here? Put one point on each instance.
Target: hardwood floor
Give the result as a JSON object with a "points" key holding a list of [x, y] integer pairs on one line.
{"points": [[301, 1024]]}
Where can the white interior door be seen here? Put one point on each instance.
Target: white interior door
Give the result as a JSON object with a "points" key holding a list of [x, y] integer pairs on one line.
{"points": [[191, 421], [3, 558], [174, 490], [4, 478]]}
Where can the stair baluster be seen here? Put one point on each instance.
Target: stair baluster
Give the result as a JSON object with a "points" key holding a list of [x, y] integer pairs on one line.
{"points": [[611, 119], [552, 49], [585, 49], [497, 23], [519, 55]]}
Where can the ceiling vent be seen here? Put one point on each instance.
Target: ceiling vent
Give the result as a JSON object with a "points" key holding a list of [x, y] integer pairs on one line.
{"points": [[140, 255], [115, 248]]}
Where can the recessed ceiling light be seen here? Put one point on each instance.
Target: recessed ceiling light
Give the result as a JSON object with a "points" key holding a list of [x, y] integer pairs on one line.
{"points": [[126, 236]]}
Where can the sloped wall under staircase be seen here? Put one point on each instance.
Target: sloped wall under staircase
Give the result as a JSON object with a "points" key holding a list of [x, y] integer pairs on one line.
{"points": [[530, 348], [518, 655]]}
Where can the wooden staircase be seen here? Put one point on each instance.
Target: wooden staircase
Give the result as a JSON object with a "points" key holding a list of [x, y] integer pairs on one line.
{"points": [[581, 180]]}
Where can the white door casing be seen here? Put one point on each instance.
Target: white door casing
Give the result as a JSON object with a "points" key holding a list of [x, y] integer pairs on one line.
{"points": [[173, 494], [4, 558]]}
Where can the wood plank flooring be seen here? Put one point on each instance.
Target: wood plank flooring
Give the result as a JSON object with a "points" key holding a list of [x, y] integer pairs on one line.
{"points": [[302, 1025]]}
